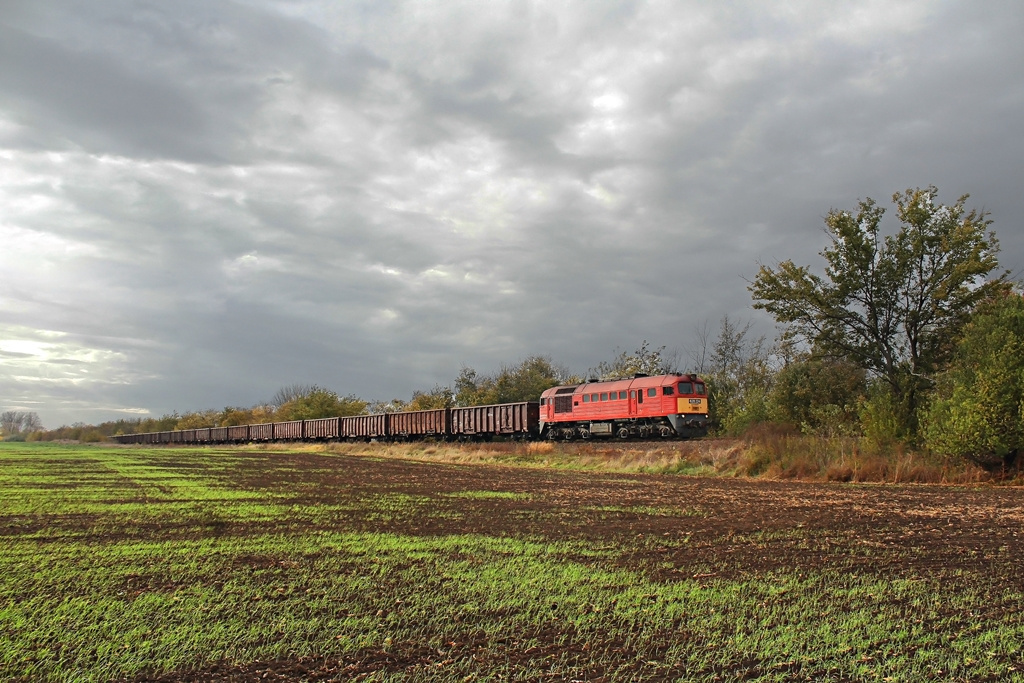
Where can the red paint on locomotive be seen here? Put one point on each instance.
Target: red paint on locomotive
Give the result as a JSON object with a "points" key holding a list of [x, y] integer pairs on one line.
{"points": [[662, 405]]}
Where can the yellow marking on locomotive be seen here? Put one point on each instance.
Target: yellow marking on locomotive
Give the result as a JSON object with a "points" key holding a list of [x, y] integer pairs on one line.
{"points": [[691, 405]]}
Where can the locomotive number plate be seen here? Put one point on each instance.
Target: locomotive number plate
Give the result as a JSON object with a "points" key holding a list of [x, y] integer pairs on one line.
{"points": [[695, 401]]}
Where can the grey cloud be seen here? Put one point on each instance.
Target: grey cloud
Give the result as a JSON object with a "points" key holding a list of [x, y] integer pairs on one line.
{"points": [[146, 81], [88, 99], [368, 197]]}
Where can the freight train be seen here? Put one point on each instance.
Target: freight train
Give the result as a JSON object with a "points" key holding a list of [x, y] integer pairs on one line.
{"points": [[661, 406]]}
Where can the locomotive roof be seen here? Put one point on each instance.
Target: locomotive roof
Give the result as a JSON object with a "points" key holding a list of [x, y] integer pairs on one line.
{"points": [[623, 383]]}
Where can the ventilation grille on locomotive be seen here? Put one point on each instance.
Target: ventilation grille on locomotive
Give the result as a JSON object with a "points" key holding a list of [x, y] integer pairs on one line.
{"points": [[563, 404]]}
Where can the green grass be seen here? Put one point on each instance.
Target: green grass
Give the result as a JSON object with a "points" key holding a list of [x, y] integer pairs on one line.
{"points": [[654, 511], [117, 562]]}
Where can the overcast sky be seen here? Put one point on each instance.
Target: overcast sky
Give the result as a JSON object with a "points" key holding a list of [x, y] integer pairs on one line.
{"points": [[202, 202]]}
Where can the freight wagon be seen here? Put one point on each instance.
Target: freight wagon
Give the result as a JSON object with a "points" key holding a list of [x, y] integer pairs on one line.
{"points": [[517, 420], [418, 424], [365, 427]]}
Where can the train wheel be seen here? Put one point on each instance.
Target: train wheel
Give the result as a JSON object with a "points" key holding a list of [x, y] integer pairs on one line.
{"points": [[585, 434], [665, 432], [569, 434], [623, 433]]}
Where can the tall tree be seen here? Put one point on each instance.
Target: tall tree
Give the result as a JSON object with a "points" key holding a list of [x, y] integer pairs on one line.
{"points": [[319, 402], [644, 360], [892, 304], [523, 382], [740, 378], [14, 422], [290, 393], [436, 398]]}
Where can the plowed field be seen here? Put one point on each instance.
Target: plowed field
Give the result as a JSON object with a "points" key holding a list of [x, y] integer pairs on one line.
{"points": [[171, 565]]}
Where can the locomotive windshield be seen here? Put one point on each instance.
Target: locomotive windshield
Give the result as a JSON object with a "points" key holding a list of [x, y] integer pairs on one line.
{"points": [[692, 388]]}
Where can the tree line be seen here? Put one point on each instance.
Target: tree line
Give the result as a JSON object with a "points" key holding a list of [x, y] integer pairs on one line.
{"points": [[17, 425], [908, 339]]}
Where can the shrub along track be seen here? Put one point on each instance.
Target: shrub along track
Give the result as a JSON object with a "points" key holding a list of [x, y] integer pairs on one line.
{"points": [[665, 527]]}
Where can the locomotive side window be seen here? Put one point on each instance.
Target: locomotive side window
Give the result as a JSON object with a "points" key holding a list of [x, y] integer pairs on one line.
{"points": [[700, 389], [669, 390], [686, 387], [604, 397], [652, 392], [586, 398], [622, 395]]}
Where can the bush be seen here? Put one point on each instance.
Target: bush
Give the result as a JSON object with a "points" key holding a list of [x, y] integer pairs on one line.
{"points": [[978, 412], [880, 419], [92, 436]]}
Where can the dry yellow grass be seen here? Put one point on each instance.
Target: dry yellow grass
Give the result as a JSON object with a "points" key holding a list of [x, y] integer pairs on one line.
{"points": [[763, 455]]}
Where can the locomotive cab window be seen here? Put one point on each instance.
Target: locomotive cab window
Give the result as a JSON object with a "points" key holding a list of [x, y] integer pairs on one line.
{"points": [[652, 392], [700, 389], [669, 391], [685, 387]]}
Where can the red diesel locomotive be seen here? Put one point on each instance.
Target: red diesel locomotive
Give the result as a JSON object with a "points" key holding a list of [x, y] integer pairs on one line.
{"points": [[663, 405]]}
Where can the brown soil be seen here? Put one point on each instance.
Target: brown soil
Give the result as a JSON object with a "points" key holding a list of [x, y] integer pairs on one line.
{"points": [[732, 528]]}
